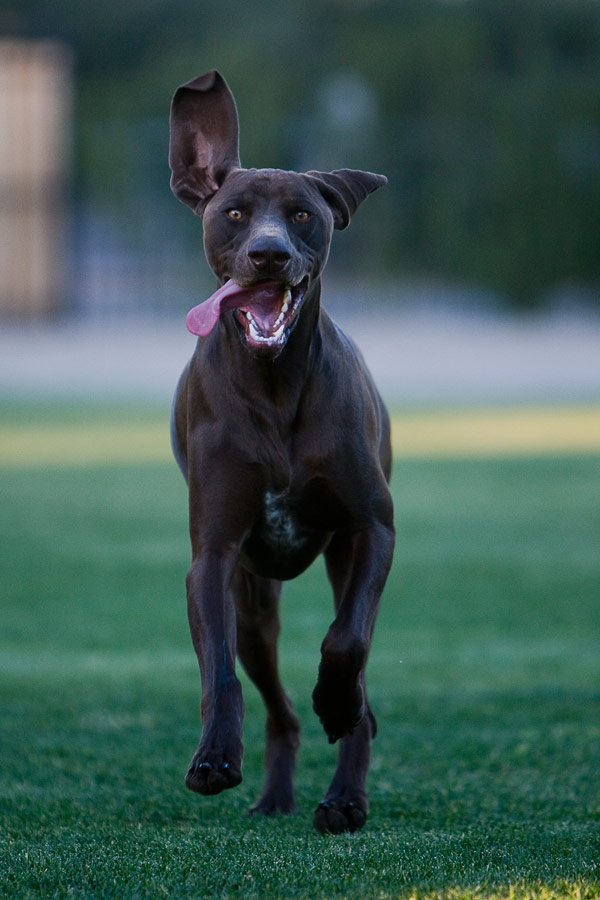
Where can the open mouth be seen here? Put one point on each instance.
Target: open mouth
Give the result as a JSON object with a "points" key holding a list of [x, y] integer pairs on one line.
{"points": [[268, 312], [265, 311]]}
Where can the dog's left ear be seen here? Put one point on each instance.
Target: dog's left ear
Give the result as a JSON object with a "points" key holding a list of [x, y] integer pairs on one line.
{"points": [[204, 139], [345, 190]]}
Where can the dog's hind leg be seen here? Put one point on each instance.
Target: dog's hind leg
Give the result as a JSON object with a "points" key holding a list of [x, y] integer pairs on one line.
{"points": [[345, 806], [257, 604], [357, 569]]}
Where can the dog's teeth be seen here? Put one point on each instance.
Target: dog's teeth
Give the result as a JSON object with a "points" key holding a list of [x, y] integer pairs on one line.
{"points": [[249, 316], [287, 295]]}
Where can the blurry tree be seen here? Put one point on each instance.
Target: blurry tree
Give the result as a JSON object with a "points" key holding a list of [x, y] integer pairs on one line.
{"points": [[484, 114]]}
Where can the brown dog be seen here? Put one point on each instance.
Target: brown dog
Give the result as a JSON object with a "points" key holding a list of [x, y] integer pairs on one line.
{"points": [[285, 446]]}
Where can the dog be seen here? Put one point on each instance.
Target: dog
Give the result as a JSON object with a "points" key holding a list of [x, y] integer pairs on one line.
{"points": [[285, 446]]}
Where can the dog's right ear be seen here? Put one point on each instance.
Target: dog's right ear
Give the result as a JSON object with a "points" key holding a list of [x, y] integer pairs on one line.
{"points": [[204, 139]]}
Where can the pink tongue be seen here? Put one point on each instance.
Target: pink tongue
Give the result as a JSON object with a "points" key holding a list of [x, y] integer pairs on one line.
{"points": [[261, 300]]}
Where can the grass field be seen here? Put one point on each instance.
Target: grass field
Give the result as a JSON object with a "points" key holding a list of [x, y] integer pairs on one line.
{"points": [[484, 675]]}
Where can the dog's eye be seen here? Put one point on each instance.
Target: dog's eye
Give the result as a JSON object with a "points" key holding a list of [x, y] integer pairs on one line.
{"points": [[301, 216], [235, 214]]}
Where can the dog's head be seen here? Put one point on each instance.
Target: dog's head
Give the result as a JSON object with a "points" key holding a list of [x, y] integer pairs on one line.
{"points": [[266, 231]]}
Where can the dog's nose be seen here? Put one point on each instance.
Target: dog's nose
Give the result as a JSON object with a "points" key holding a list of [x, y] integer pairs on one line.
{"points": [[269, 254]]}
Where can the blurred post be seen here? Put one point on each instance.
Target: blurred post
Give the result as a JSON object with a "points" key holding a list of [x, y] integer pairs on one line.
{"points": [[35, 151]]}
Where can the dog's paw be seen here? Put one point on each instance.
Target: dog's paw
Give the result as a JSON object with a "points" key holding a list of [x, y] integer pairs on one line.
{"points": [[339, 704], [339, 696], [336, 815], [211, 777]]}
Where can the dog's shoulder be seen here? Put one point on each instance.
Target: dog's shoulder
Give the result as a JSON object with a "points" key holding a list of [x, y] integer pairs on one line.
{"points": [[343, 348]]}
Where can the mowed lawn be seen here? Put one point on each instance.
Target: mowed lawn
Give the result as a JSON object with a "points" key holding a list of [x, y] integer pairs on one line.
{"points": [[484, 676]]}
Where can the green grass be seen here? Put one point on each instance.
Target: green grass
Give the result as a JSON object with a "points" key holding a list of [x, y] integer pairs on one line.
{"points": [[484, 675]]}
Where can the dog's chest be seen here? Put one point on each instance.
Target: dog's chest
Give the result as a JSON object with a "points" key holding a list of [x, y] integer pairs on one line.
{"points": [[280, 525]]}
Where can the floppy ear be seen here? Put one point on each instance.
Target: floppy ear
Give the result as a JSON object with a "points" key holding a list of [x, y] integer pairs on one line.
{"points": [[203, 144], [345, 190]]}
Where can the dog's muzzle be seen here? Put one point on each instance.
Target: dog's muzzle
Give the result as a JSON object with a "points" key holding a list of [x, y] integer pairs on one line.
{"points": [[266, 311]]}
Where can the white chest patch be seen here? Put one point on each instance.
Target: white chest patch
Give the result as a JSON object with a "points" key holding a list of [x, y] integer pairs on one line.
{"points": [[280, 525]]}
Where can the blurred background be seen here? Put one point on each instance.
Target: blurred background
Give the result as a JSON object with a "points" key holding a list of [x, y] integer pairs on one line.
{"points": [[484, 249], [472, 285]]}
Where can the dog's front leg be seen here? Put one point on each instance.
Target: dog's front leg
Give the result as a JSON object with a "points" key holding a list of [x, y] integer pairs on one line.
{"points": [[217, 764], [358, 565]]}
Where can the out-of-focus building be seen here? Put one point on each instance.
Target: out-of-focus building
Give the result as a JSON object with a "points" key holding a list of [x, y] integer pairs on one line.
{"points": [[35, 159]]}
